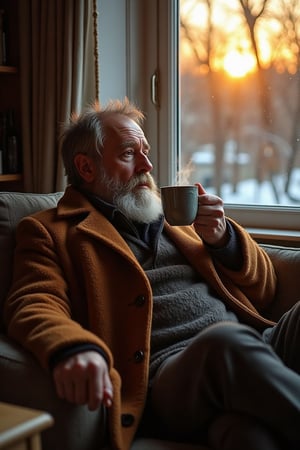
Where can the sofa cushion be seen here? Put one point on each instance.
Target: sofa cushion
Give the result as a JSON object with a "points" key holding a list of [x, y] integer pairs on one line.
{"points": [[13, 207]]}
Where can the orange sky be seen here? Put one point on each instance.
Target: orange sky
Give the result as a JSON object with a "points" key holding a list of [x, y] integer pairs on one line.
{"points": [[233, 52]]}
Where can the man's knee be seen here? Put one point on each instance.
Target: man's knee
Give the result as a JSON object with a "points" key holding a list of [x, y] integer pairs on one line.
{"points": [[227, 336]]}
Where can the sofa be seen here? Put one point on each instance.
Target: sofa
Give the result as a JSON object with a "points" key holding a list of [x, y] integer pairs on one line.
{"points": [[23, 382]]}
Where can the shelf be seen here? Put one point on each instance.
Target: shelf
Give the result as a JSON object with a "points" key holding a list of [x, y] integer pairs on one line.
{"points": [[8, 69], [11, 177]]}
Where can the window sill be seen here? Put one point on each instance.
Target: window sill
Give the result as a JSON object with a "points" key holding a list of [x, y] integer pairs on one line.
{"points": [[275, 225], [277, 237]]}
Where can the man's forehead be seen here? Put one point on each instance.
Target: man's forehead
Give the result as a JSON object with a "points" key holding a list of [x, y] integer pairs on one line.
{"points": [[119, 125]]}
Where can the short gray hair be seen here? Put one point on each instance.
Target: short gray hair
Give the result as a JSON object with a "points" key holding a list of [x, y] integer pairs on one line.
{"points": [[85, 133]]}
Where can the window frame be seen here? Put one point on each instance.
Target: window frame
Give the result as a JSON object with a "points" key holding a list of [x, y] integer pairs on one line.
{"points": [[152, 35]]}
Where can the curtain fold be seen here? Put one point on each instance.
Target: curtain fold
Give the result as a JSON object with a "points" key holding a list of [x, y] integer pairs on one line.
{"points": [[57, 79]]}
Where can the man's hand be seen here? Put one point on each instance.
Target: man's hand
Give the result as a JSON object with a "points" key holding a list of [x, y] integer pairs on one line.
{"points": [[84, 379], [210, 222]]}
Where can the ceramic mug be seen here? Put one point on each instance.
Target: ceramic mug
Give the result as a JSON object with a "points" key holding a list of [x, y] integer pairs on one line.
{"points": [[180, 204]]}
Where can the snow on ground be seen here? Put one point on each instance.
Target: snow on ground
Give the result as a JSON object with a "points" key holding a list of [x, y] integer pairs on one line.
{"points": [[251, 192]]}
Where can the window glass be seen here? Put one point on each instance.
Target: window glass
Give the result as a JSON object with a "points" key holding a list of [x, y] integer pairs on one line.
{"points": [[240, 99]]}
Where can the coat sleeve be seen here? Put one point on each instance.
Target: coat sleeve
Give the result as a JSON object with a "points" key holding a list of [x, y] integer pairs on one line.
{"points": [[37, 311], [253, 285], [256, 278]]}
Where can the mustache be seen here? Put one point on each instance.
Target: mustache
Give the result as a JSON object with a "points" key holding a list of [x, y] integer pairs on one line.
{"points": [[143, 178]]}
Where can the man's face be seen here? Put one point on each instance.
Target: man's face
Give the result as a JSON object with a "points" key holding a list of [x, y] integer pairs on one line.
{"points": [[125, 151], [124, 171]]}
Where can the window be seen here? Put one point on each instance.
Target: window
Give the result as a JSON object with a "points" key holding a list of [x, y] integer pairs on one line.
{"points": [[238, 126], [240, 98]]}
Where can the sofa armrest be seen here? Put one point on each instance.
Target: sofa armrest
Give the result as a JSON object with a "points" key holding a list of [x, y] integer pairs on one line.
{"points": [[23, 382], [286, 261]]}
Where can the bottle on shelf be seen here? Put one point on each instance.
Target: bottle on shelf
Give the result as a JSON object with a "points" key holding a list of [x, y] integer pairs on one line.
{"points": [[9, 144], [3, 53], [3, 140], [12, 145]]}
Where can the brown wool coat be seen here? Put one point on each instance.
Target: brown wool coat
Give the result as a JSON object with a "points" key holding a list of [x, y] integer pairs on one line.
{"points": [[71, 263]]}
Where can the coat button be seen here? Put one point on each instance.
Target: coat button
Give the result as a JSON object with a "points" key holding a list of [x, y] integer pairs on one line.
{"points": [[127, 420], [140, 300], [139, 356]]}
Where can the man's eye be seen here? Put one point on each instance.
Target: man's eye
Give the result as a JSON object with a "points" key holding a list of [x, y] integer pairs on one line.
{"points": [[128, 153]]}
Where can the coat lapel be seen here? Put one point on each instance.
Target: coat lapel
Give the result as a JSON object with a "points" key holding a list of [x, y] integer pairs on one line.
{"points": [[92, 223]]}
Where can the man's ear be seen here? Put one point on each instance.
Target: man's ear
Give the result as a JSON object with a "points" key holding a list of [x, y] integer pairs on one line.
{"points": [[85, 166]]}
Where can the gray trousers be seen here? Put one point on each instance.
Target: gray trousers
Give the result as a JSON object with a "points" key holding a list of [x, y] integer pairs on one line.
{"points": [[234, 388]]}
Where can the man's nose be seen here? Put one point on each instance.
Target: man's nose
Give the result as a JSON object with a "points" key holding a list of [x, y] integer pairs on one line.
{"points": [[143, 163]]}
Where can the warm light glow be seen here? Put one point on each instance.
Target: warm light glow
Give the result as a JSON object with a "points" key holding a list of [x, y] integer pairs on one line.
{"points": [[223, 27], [238, 65]]}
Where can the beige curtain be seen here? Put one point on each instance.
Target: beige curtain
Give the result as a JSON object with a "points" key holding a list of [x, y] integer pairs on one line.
{"points": [[57, 78]]}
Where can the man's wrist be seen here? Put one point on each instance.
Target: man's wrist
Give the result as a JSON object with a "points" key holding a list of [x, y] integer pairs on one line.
{"points": [[222, 242], [67, 352], [229, 255]]}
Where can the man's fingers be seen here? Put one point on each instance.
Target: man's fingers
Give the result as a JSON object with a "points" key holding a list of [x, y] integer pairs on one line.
{"points": [[201, 189], [107, 397], [84, 379], [108, 391], [96, 388]]}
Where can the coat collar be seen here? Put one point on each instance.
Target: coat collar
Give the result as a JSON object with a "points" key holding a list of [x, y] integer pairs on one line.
{"points": [[90, 221], [74, 204]]}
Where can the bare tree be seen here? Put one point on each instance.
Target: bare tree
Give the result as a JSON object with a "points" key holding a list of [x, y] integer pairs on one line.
{"points": [[252, 14], [253, 11], [289, 20]]}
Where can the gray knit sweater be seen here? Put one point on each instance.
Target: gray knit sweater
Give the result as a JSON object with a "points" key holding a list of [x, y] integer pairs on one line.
{"points": [[183, 304]]}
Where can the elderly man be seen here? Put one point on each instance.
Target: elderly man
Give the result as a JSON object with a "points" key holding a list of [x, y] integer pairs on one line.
{"points": [[131, 313]]}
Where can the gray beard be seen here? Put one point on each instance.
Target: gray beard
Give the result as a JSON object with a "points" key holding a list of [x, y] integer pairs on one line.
{"points": [[142, 206]]}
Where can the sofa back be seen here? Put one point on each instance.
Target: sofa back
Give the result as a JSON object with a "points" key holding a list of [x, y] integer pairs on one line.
{"points": [[13, 207]]}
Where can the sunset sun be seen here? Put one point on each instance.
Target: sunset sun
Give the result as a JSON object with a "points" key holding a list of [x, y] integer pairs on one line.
{"points": [[238, 65]]}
